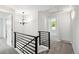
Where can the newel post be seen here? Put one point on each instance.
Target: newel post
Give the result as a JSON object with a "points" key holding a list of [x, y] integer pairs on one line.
{"points": [[49, 39], [14, 39], [36, 45]]}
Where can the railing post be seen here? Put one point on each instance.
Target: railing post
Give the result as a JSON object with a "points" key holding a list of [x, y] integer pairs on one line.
{"points": [[39, 38], [49, 39], [36, 45], [14, 39]]}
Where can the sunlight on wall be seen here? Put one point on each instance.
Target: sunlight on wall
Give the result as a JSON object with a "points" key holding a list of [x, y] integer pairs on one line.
{"points": [[72, 14]]}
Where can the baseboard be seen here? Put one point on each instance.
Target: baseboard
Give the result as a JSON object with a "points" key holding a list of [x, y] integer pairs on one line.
{"points": [[66, 41]]}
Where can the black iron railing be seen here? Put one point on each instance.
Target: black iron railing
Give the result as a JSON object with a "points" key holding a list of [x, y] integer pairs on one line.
{"points": [[27, 44], [44, 38]]}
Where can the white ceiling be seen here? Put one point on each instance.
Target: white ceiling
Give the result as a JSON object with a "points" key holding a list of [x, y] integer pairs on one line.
{"points": [[52, 8]]}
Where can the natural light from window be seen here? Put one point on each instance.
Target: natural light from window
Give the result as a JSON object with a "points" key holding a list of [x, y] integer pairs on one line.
{"points": [[53, 24]]}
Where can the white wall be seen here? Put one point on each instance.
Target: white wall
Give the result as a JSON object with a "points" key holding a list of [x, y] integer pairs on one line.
{"points": [[63, 31], [30, 28], [64, 26], [42, 21], [75, 30], [1, 28], [9, 30]]}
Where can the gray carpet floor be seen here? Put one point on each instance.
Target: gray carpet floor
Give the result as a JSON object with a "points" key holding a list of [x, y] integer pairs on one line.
{"points": [[61, 47], [5, 49]]}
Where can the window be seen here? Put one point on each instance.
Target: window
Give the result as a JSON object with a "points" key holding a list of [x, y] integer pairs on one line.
{"points": [[53, 24]]}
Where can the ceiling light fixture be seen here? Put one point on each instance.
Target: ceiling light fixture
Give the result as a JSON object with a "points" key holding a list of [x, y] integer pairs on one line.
{"points": [[24, 19]]}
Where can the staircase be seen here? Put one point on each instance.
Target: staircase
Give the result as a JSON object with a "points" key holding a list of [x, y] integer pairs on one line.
{"points": [[28, 44]]}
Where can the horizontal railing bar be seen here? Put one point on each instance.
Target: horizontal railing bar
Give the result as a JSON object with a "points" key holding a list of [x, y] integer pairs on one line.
{"points": [[22, 50], [25, 40], [19, 47], [21, 39], [20, 42], [29, 48], [28, 43], [26, 51], [25, 47], [33, 42], [44, 38], [26, 34], [24, 37], [24, 44], [44, 43], [44, 33]]}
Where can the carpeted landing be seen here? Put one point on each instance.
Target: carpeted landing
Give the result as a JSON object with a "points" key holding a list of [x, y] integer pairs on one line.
{"points": [[61, 47]]}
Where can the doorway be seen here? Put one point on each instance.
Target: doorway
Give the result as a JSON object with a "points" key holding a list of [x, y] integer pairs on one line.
{"points": [[6, 28], [53, 28]]}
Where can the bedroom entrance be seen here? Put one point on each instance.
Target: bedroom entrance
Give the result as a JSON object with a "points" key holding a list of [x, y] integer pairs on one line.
{"points": [[53, 28]]}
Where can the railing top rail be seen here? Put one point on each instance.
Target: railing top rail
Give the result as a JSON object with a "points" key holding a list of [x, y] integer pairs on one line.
{"points": [[43, 31], [25, 34]]}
